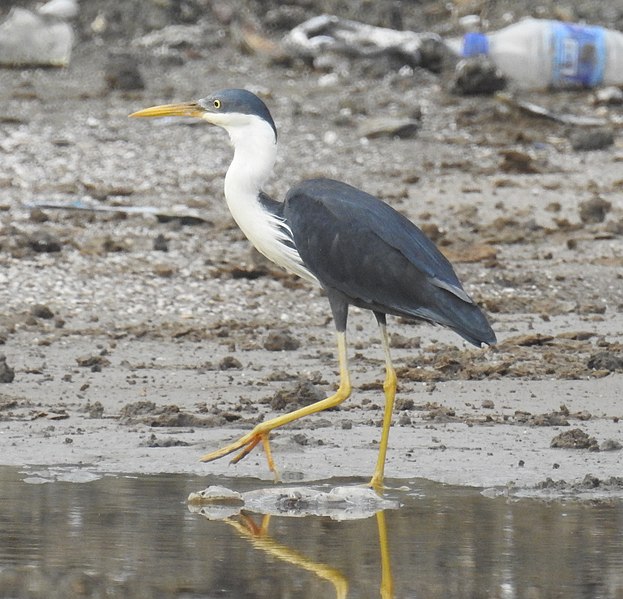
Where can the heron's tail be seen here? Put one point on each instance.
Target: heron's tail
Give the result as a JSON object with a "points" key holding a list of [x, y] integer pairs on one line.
{"points": [[463, 317], [476, 328], [469, 321]]}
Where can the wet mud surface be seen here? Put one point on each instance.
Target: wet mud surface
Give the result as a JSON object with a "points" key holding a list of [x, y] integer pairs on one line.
{"points": [[135, 342]]}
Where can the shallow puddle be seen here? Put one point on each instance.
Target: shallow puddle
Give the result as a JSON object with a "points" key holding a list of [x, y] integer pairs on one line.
{"points": [[123, 536]]}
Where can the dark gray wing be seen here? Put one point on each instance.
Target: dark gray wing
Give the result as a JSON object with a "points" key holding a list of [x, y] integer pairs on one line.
{"points": [[378, 259]]}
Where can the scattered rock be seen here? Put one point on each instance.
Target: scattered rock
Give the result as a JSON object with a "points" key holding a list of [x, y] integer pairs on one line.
{"points": [[575, 439], [230, 416], [583, 415], [319, 423], [478, 252], [589, 482], [229, 363], [610, 445], [476, 75], [605, 360], [245, 272], [420, 375], [8, 404], [280, 375], [404, 419], [281, 341], [164, 270], [529, 339], [153, 441], [41, 311], [432, 231], [95, 409], [173, 416], [547, 419], [514, 161], [7, 374], [300, 439], [138, 408], [591, 308], [38, 216], [161, 243], [96, 362], [302, 393], [283, 17], [404, 403], [399, 341], [576, 335], [44, 242], [612, 483], [594, 210], [439, 413], [585, 140], [148, 412], [104, 244], [389, 127], [122, 72], [554, 207]]}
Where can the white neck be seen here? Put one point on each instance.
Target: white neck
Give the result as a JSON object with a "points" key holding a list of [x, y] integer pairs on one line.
{"points": [[255, 151]]}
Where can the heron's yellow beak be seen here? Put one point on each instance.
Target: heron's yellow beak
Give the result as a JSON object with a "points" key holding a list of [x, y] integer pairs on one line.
{"points": [[183, 109]]}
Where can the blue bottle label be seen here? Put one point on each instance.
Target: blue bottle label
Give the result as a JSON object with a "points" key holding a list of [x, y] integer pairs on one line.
{"points": [[475, 44], [578, 53]]}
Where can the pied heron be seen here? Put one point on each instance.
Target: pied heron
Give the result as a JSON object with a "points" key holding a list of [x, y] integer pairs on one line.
{"points": [[360, 250]]}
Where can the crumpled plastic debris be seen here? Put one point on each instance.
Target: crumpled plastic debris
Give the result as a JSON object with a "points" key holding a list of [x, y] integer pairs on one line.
{"points": [[338, 503], [538, 111], [331, 34]]}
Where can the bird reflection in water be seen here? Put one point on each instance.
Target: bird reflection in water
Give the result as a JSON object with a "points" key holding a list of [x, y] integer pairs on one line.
{"points": [[250, 514]]}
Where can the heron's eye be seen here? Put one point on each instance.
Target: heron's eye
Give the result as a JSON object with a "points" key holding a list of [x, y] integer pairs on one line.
{"points": [[217, 104]]}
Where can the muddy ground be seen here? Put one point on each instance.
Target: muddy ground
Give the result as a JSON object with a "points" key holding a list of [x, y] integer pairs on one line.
{"points": [[135, 343]]}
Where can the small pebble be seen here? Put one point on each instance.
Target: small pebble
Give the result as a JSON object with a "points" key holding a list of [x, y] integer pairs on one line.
{"points": [[229, 362], [585, 140], [7, 374], [41, 311], [122, 73]]}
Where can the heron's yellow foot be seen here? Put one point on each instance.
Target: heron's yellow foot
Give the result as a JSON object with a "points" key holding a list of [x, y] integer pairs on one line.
{"points": [[376, 483], [245, 445]]}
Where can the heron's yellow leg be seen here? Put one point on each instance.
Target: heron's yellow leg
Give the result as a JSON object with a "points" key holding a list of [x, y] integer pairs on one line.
{"points": [[389, 387], [261, 432]]}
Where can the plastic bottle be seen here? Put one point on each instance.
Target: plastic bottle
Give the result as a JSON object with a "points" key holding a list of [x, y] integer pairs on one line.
{"points": [[539, 53]]}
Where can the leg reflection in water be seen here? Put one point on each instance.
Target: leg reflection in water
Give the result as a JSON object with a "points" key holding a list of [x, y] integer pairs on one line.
{"points": [[258, 535]]}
